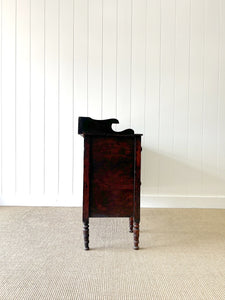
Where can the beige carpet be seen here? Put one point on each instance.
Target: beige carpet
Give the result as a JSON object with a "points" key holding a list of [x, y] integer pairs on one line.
{"points": [[182, 255]]}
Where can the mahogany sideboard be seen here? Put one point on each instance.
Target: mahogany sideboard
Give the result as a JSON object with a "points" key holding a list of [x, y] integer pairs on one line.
{"points": [[112, 164]]}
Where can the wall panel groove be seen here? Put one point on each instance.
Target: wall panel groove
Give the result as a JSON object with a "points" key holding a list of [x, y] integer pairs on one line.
{"points": [[29, 88], [1, 99], [15, 96], [73, 132], [8, 96], [59, 78]]}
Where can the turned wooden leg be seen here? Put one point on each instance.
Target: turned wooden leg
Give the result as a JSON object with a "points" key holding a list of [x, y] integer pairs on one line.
{"points": [[131, 224], [136, 235], [86, 235]]}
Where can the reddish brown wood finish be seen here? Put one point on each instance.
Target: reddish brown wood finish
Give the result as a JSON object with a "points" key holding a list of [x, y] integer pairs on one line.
{"points": [[86, 191], [112, 180], [86, 235], [137, 174], [136, 235], [131, 221], [86, 187]]}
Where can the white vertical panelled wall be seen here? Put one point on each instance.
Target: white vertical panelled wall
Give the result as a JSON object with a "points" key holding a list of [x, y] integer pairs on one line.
{"points": [[156, 65]]}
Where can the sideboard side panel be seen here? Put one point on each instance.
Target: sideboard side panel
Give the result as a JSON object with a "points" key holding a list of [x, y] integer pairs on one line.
{"points": [[112, 177]]}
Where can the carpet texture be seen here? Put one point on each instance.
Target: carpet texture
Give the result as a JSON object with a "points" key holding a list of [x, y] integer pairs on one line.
{"points": [[181, 256]]}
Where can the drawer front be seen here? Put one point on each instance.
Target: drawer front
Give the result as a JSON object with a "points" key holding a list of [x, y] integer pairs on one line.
{"points": [[111, 177]]}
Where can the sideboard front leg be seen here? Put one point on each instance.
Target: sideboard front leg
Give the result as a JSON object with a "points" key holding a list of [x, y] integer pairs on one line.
{"points": [[86, 235], [131, 223], [136, 235]]}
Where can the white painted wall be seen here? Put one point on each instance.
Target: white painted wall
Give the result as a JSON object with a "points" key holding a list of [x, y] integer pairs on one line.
{"points": [[156, 65]]}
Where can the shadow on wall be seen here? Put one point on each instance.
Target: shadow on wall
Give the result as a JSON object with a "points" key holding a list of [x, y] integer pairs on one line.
{"points": [[167, 175]]}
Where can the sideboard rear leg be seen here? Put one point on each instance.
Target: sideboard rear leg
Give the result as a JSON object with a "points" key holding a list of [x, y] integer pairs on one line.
{"points": [[131, 224], [136, 235], [86, 234]]}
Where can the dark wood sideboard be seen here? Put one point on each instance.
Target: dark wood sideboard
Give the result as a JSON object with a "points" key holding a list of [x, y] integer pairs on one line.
{"points": [[112, 165]]}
